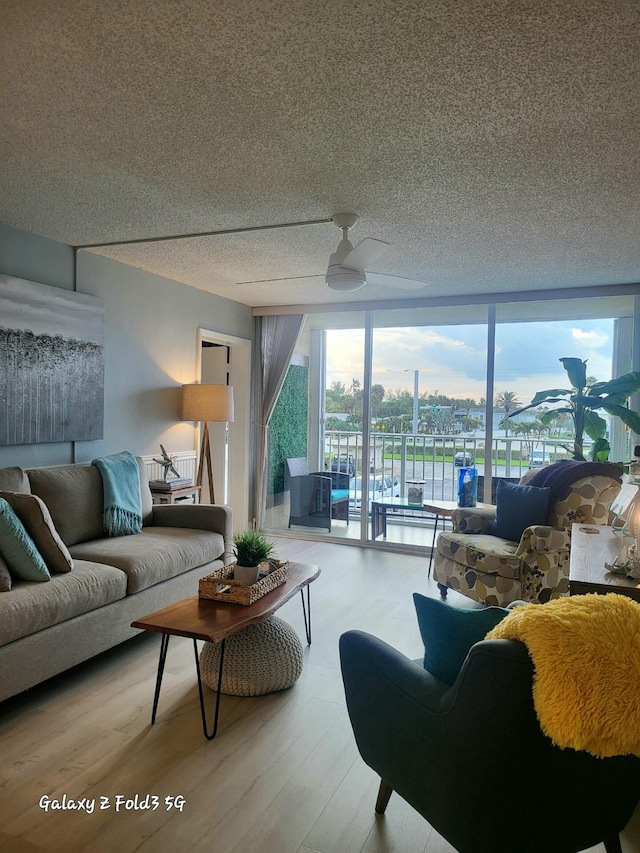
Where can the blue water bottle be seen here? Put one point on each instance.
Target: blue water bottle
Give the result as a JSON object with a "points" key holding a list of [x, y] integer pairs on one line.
{"points": [[468, 487]]}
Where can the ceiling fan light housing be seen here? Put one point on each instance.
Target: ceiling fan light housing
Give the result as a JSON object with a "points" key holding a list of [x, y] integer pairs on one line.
{"points": [[344, 280]]}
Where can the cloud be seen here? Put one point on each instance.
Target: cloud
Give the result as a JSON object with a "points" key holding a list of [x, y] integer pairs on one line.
{"points": [[591, 339], [452, 359]]}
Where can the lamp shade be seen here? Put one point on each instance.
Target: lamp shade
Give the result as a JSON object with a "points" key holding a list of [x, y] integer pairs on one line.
{"points": [[207, 403]]}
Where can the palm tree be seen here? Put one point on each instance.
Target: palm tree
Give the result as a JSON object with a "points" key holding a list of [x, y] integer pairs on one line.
{"points": [[508, 401]]}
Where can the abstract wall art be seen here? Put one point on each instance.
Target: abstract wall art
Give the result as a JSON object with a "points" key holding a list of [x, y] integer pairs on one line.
{"points": [[51, 363]]}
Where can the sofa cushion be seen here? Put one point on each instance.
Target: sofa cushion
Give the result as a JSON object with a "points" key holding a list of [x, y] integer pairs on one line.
{"points": [[519, 507], [31, 607], [73, 495], [448, 633], [481, 552], [18, 549], [155, 554], [14, 480], [33, 513]]}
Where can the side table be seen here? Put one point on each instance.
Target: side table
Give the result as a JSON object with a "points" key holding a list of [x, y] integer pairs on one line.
{"points": [[177, 495], [591, 547], [442, 510]]}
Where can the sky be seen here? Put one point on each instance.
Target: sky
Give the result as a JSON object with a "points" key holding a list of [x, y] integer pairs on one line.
{"points": [[451, 360]]}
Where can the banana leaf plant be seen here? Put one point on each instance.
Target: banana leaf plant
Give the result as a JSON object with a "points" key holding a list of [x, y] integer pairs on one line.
{"points": [[582, 401]]}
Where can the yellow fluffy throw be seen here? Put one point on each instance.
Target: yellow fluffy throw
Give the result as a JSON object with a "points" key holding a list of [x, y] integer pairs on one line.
{"points": [[586, 656]]}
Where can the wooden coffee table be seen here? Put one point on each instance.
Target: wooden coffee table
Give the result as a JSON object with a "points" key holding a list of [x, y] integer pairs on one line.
{"points": [[214, 621]]}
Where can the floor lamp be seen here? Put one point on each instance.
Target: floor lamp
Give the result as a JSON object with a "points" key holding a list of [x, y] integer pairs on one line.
{"points": [[207, 403]]}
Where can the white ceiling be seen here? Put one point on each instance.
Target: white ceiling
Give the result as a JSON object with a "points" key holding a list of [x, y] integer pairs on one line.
{"points": [[494, 144]]}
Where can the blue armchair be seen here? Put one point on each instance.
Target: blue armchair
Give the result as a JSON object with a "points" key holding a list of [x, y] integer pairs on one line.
{"points": [[471, 757]]}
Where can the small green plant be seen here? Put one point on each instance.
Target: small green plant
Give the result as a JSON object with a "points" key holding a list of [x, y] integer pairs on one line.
{"points": [[252, 548], [583, 400]]}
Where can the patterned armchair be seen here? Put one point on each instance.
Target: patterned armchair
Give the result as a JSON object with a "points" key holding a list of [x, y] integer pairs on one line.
{"points": [[496, 571]]}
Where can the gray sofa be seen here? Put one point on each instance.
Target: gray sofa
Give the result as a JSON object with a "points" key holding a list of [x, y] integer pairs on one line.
{"points": [[48, 627]]}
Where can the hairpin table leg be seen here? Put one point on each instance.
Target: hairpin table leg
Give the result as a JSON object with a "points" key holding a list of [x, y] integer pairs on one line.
{"points": [[433, 542], [202, 709], [306, 612], [164, 645]]}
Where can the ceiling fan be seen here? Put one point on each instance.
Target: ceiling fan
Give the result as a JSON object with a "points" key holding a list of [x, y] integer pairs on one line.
{"points": [[350, 268], [348, 265]]}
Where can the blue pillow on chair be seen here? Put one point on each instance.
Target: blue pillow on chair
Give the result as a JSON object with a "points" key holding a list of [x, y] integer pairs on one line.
{"points": [[448, 633], [518, 507]]}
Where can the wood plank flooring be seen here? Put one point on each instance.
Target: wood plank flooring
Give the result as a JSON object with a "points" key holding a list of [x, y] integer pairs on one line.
{"points": [[283, 775]]}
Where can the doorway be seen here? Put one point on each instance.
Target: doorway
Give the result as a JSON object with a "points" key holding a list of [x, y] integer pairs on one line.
{"points": [[226, 360]]}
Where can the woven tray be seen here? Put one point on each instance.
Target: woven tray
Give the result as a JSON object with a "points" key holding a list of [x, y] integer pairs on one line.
{"points": [[221, 586]]}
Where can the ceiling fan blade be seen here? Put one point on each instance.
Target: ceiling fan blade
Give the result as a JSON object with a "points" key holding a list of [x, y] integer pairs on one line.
{"points": [[284, 278], [364, 254], [395, 282]]}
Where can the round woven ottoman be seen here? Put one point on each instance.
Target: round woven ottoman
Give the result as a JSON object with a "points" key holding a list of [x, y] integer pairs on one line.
{"points": [[262, 658]]}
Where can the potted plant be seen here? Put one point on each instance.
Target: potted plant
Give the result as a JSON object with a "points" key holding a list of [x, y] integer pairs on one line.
{"points": [[251, 548], [583, 400]]}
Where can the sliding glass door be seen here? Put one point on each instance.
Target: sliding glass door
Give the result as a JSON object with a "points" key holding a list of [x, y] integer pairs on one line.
{"points": [[428, 414]]}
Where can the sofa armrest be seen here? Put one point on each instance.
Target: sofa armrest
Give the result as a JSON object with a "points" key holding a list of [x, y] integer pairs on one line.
{"points": [[215, 517], [477, 519]]}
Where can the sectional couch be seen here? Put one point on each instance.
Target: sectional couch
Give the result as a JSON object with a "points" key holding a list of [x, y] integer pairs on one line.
{"points": [[48, 627]]}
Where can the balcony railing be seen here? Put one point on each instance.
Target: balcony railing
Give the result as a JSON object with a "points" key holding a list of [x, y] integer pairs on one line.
{"points": [[435, 459]]}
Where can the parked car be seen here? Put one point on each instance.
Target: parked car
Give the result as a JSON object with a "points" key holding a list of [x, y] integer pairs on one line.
{"points": [[379, 487], [464, 458], [539, 458], [392, 487], [345, 464]]}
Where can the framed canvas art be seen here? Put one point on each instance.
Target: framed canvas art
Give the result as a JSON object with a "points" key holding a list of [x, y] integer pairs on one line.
{"points": [[51, 363]]}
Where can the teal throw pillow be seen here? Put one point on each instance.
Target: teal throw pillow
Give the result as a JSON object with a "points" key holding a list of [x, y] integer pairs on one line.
{"points": [[17, 547], [518, 507], [448, 633]]}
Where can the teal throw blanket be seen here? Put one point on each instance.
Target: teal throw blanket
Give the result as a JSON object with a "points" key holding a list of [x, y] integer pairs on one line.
{"points": [[122, 498]]}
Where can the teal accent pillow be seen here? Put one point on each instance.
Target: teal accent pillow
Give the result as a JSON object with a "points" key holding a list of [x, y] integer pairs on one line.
{"points": [[448, 633], [518, 507], [18, 549]]}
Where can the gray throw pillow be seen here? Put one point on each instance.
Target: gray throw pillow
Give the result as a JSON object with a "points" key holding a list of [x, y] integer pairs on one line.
{"points": [[18, 549], [5, 577], [34, 515]]}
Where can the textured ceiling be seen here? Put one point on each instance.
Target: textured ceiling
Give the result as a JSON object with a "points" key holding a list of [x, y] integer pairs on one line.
{"points": [[493, 144]]}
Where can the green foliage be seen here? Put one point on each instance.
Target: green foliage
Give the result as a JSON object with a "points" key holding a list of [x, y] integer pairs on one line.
{"points": [[251, 548], [392, 411], [582, 401], [288, 426]]}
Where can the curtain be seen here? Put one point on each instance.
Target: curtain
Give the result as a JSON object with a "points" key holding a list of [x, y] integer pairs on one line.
{"points": [[278, 336]]}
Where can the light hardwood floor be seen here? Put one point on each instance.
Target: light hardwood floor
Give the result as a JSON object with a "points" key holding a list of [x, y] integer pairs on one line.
{"points": [[283, 775]]}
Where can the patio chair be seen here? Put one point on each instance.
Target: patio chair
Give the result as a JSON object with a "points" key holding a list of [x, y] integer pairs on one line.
{"points": [[313, 500]]}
